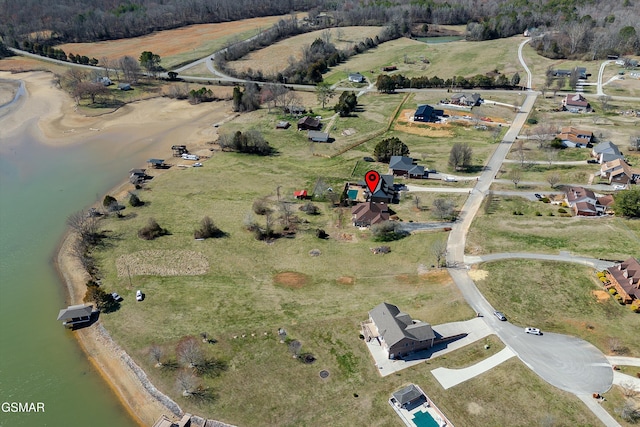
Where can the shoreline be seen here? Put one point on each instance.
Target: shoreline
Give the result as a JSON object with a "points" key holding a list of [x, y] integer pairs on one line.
{"points": [[58, 123]]}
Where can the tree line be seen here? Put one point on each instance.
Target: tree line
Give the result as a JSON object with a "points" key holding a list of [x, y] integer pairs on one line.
{"points": [[389, 83]]}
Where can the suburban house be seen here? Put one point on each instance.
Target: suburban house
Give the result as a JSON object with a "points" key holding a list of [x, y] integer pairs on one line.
{"points": [[576, 103], [606, 152], [408, 396], [466, 99], [606, 202], [296, 110], [625, 277], [582, 201], [619, 172], [308, 123], [575, 138], [356, 78], [396, 332], [561, 73], [426, 113], [317, 136], [369, 213], [385, 191], [406, 167], [582, 72], [75, 315]]}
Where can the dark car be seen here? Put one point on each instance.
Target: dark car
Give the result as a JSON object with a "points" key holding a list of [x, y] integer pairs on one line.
{"points": [[537, 196], [368, 159], [592, 161], [500, 315]]}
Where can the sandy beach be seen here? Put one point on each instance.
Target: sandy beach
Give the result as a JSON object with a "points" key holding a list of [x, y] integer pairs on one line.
{"points": [[58, 123]]}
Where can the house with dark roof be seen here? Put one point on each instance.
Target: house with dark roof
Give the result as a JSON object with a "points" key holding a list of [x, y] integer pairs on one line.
{"points": [[385, 192], [606, 151], [406, 167], [309, 123], [369, 213], [576, 103], [574, 138], [625, 277], [561, 73], [396, 332], [466, 99], [426, 113]]}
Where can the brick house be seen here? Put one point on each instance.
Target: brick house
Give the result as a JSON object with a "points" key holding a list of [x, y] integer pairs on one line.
{"points": [[625, 277]]}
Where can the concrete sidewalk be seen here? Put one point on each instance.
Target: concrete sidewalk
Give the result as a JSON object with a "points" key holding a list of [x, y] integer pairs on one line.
{"points": [[451, 377]]}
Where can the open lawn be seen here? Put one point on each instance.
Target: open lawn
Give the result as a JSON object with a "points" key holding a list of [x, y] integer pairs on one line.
{"points": [[252, 288], [559, 297], [276, 57], [177, 46], [502, 231]]}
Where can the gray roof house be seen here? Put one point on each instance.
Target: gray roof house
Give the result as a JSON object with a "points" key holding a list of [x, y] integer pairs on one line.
{"points": [[397, 333], [606, 152], [356, 78], [317, 136], [408, 395], [467, 99], [75, 314], [405, 166], [385, 192]]}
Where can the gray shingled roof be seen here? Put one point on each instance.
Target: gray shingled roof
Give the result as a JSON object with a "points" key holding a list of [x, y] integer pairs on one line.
{"points": [[407, 394], [606, 147], [395, 325], [74, 311]]}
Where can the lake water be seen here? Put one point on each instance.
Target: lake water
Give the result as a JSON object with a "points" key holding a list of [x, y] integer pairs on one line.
{"points": [[40, 361], [436, 40]]}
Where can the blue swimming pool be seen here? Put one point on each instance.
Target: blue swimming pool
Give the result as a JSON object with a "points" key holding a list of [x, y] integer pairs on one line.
{"points": [[424, 419]]}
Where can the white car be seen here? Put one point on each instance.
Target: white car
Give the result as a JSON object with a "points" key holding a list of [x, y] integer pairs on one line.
{"points": [[533, 331], [619, 187], [139, 296], [116, 297], [197, 165]]}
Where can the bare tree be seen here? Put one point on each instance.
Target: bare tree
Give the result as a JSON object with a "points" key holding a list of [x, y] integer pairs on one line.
{"points": [[439, 251], [488, 203], [189, 352], [443, 208], [544, 134], [285, 213], [187, 383], [107, 66], [630, 411], [551, 155], [553, 179], [515, 176], [85, 224], [520, 153], [416, 202], [156, 353], [294, 347], [130, 69], [604, 102], [460, 155], [90, 90]]}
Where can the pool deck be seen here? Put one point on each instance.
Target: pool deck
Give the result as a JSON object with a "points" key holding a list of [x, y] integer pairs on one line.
{"points": [[407, 415]]}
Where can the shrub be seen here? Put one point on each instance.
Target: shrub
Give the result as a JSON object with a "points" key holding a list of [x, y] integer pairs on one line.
{"points": [[545, 200], [538, 213], [321, 234], [387, 231], [152, 230], [562, 210], [135, 201], [310, 209], [260, 207], [207, 230], [612, 291], [550, 214], [109, 201], [532, 121]]}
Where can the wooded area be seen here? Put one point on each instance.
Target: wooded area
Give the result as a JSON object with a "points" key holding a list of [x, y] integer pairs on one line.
{"points": [[572, 28]]}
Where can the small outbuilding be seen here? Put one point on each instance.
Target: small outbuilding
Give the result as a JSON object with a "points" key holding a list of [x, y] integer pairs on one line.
{"points": [[300, 194], [156, 163], [283, 125], [124, 86], [408, 395], [75, 315], [317, 136], [356, 78]]}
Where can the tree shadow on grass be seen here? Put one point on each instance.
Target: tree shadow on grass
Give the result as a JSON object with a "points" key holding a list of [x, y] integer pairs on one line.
{"points": [[211, 368]]}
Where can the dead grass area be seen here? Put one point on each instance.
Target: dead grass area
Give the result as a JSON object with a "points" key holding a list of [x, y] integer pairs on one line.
{"points": [[291, 279], [346, 280], [478, 274], [275, 58], [169, 42], [436, 130], [601, 296], [18, 64], [162, 263]]}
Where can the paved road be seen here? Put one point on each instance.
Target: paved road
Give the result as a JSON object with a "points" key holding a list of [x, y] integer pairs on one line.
{"points": [[598, 264]]}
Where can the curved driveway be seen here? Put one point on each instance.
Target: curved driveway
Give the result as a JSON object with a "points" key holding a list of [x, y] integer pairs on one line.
{"points": [[568, 363]]}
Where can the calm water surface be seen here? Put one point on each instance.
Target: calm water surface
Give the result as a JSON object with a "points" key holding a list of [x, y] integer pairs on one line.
{"points": [[40, 361]]}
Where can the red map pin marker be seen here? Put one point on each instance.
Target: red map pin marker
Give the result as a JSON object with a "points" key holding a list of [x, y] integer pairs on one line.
{"points": [[372, 178]]}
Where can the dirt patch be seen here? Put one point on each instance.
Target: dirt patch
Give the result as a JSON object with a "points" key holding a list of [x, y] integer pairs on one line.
{"points": [[346, 280], [435, 130], [601, 296], [474, 408], [169, 42], [162, 263], [291, 279], [478, 274]]}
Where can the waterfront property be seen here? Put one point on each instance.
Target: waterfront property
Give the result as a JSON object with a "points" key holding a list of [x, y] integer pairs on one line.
{"points": [[415, 408], [75, 315]]}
